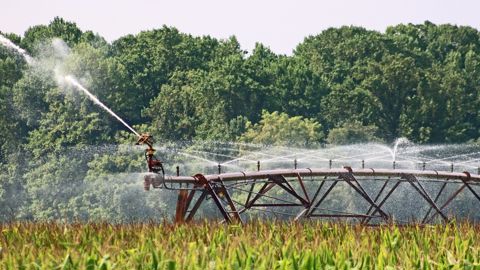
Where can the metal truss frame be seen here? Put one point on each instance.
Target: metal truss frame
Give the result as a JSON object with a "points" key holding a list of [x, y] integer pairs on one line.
{"points": [[236, 194]]}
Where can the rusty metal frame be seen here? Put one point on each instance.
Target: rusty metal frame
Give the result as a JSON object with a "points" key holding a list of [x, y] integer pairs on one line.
{"points": [[219, 194], [221, 189]]}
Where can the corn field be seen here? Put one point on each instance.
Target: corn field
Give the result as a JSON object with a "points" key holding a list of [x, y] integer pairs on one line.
{"points": [[259, 245]]}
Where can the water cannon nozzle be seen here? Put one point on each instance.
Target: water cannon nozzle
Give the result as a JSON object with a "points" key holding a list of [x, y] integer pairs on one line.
{"points": [[145, 138], [154, 164]]}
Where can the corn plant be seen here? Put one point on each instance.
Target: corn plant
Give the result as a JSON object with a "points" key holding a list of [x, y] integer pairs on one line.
{"points": [[257, 245]]}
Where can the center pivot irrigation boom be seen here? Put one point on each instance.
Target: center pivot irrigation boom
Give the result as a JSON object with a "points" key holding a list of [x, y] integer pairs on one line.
{"points": [[308, 193]]}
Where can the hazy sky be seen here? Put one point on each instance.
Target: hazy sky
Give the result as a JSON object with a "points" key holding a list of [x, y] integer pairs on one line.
{"points": [[279, 24]]}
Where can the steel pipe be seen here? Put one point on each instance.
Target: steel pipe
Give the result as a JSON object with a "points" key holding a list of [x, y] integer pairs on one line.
{"points": [[236, 176]]}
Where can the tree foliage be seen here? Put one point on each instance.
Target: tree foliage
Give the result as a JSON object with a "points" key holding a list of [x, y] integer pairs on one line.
{"points": [[351, 133], [279, 129]]}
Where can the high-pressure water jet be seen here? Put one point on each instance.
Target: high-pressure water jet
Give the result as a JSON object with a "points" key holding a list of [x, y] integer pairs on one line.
{"points": [[9, 44], [74, 82], [70, 79]]}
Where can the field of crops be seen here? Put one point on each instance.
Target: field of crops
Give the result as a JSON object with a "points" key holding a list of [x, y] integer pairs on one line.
{"points": [[260, 245]]}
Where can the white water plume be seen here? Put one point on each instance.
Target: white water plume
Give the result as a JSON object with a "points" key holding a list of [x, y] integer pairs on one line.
{"points": [[74, 82], [9, 44], [61, 51], [234, 158], [398, 142]]}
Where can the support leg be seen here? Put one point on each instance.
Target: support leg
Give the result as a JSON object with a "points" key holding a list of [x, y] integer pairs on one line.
{"points": [[181, 206]]}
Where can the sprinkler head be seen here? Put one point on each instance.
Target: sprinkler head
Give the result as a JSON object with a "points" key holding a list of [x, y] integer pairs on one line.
{"points": [[145, 138], [153, 164]]}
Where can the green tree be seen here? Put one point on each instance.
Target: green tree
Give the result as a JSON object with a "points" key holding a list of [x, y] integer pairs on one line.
{"points": [[67, 124], [297, 89], [151, 58], [107, 79], [392, 82], [279, 129], [29, 96], [210, 104], [444, 108], [337, 53], [60, 149], [58, 27], [348, 103], [351, 133], [12, 131], [13, 196]]}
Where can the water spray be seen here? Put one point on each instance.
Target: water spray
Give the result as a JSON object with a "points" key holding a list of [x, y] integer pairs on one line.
{"points": [[154, 165], [74, 82], [69, 78], [9, 44]]}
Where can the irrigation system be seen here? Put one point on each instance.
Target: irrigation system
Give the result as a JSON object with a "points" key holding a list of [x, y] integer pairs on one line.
{"points": [[302, 193]]}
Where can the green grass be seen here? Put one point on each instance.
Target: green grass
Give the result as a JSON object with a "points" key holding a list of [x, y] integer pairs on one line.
{"points": [[259, 245]]}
